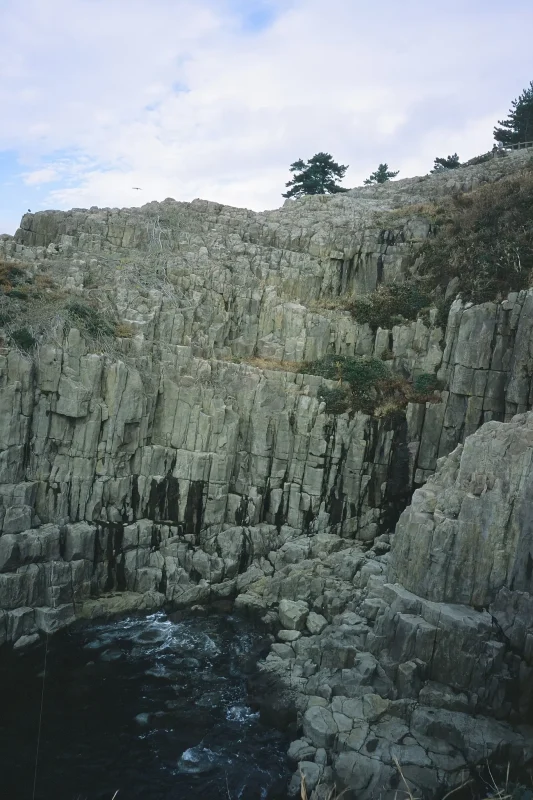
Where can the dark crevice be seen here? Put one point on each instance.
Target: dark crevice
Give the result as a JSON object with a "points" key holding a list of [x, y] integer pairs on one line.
{"points": [[194, 508]]}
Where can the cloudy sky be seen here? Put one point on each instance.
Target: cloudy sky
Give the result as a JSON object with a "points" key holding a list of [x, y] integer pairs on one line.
{"points": [[216, 98]]}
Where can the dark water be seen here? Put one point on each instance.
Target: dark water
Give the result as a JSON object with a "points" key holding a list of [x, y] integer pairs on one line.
{"points": [[153, 708]]}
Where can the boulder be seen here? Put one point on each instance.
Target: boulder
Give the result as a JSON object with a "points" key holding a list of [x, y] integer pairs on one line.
{"points": [[293, 614]]}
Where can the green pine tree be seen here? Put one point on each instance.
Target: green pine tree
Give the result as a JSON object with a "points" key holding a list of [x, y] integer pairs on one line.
{"points": [[381, 175], [315, 177], [519, 125], [450, 162]]}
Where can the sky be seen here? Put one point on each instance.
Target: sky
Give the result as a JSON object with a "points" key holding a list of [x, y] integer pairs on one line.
{"points": [[215, 99]]}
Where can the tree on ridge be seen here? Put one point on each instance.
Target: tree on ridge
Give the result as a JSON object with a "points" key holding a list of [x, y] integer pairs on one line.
{"points": [[317, 176], [518, 127], [381, 175], [450, 162]]}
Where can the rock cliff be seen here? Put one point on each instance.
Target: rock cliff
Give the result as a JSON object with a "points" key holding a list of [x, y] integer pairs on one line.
{"points": [[163, 439]]}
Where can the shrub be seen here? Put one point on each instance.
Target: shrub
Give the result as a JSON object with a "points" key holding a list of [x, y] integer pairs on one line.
{"points": [[10, 274], [360, 374], [18, 294], [44, 281], [351, 369], [425, 383], [23, 339], [337, 400], [389, 305], [90, 319], [485, 238], [367, 385]]}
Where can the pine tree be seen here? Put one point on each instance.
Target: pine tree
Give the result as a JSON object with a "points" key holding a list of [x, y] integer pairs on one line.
{"points": [[315, 177], [519, 126], [450, 162], [381, 175]]}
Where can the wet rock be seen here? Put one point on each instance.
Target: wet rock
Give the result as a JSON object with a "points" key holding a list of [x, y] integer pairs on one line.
{"points": [[310, 773], [24, 642], [270, 697], [301, 750], [196, 761]]}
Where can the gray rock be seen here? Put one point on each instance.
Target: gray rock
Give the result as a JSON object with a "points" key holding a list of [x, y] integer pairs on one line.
{"points": [[288, 636], [283, 651], [362, 774], [315, 623], [311, 773], [301, 750], [319, 726], [293, 614]]}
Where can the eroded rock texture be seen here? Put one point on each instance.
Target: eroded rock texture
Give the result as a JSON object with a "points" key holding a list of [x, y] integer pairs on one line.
{"points": [[173, 466], [426, 655]]}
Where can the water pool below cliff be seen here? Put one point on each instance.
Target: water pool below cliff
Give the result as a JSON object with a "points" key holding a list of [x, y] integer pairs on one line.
{"points": [[151, 707]]}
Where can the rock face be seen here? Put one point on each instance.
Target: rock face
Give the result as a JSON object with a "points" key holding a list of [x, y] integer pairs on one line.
{"points": [[193, 459], [468, 532], [427, 656]]}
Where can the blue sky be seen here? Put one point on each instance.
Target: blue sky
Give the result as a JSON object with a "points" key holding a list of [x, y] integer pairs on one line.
{"points": [[216, 98]]}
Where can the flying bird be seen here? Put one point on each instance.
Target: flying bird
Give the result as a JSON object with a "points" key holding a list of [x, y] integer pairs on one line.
{"points": [[137, 187]]}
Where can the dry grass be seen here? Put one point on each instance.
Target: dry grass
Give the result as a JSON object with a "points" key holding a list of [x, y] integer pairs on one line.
{"points": [[123, 330], [12, 273], [389, 409], [492, 790], [44, 281], [429, 210], [332, 794], [272, 363], [266, 363], [340, 303]]}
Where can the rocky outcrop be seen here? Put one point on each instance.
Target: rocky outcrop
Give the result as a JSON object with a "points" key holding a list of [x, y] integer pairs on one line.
{"points": [[425, 660], [471, 522], [191, 458], [162, 444]]}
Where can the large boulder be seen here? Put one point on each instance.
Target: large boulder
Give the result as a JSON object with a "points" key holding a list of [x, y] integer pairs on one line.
{"points": [[468, 532]]}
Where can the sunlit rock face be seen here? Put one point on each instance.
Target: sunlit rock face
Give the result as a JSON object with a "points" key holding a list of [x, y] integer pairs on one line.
{"points": [[164, 442], [165, 462]]}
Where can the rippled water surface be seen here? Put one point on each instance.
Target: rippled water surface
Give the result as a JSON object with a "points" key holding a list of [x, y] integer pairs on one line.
{"points": [[152, 708]]}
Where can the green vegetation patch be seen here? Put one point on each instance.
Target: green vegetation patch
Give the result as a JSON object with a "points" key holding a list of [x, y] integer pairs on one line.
{"points": [[359, 374], [23, 339], [90, 320], [338, 400], [390, 305], [426, 383], [367, 385]]}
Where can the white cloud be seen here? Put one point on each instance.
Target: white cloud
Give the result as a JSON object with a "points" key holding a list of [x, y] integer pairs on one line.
{"points": [[88, 92], [40, 176]]}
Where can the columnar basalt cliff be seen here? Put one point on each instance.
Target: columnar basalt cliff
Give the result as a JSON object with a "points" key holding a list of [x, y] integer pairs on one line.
{"points": [[163, 439]]}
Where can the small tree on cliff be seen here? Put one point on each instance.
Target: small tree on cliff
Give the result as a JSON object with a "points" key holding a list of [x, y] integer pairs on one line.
{"points": [[450, 162], [381, 175], [315, 177], [518, 127]]}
